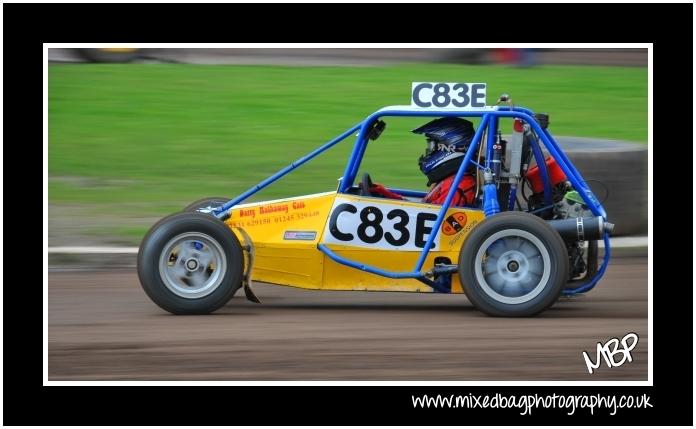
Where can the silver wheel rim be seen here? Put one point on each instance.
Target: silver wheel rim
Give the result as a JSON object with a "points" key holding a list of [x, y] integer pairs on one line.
{"points": [[512, 266], [192, 265]]}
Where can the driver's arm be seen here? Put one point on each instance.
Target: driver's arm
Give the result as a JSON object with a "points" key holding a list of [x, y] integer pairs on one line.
{"points": [[380, 190]]}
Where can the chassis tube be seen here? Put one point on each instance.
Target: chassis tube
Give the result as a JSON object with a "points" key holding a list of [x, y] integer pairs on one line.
{"points": [[222, 212], [476, 141]]}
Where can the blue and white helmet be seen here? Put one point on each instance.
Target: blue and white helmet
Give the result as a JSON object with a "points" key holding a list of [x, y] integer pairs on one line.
{"points": [[448, 139]]}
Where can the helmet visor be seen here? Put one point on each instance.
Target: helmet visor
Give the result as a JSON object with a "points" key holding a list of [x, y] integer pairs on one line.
{"points": [[430, 146]]}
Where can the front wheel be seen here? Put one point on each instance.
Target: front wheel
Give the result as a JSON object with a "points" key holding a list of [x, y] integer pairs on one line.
{"points": [[190, 263], [513, 264]]}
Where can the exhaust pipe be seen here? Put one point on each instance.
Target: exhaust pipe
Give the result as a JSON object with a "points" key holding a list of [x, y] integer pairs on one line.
{"points": [[582, 228]]}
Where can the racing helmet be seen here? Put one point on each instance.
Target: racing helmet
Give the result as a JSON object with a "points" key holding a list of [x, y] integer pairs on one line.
{"points": [[447, 140]]}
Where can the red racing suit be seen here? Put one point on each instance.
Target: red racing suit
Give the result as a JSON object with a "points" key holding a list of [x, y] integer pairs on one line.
{"points": [[464, 196]]}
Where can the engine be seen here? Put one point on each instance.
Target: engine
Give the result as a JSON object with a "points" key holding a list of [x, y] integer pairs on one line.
{"points": [[570, 206], [567, 213], [581, 254]]}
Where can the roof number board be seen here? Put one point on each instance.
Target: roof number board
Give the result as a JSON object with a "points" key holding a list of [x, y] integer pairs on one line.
{"points": [[441, 95]]}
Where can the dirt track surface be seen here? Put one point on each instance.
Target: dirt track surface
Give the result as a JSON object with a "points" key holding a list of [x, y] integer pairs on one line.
{"points": [[102, 326]]}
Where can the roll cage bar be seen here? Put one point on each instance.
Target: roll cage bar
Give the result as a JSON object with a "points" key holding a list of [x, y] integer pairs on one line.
{"points": [[489, 121]]}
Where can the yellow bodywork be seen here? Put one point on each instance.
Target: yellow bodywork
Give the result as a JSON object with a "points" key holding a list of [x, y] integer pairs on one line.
{"points": [[384, 233]]}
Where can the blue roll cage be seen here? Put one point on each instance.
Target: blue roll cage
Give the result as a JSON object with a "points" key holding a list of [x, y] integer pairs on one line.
{"points": [[489, 121]]}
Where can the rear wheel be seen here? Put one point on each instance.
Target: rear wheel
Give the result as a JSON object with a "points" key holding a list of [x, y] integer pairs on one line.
{"points": [[513, 264], [190, 263]]}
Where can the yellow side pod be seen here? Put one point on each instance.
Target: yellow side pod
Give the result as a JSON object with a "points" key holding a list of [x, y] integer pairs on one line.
{"points": [[384, 233]]}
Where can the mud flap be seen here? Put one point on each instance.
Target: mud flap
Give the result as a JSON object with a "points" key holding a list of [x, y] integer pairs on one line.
{"points": [[250, 294], [246, 278]]}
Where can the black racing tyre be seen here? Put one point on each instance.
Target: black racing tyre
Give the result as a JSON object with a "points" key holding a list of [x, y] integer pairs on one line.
{"points": [[109, 55], [190, 263], [513, 264], [206, 202]]}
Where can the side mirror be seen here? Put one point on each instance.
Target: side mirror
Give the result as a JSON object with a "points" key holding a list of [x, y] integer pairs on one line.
{"points": [[377, 127]]}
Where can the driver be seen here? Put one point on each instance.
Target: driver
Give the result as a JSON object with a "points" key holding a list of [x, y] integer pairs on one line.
{"points": [[447, 140]]}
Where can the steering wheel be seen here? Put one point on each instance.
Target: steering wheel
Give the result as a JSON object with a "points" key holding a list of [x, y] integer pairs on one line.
{"points": [[365, 185]]}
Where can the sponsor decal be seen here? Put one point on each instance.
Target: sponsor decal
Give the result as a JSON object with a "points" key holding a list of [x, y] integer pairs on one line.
{"points": [[455, 238], [247, 213], [300, 235], [454, 223], [273, 208], [268, 214]]}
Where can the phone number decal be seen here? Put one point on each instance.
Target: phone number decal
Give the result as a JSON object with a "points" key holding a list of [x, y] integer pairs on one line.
{"points": [[380, 226]]}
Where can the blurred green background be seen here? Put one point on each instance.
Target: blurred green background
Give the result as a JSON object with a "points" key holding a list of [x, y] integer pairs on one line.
{"points": [[129, 143]]}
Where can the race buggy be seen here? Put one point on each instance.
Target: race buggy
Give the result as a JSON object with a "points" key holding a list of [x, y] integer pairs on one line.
{"points": [[529, 236]]}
